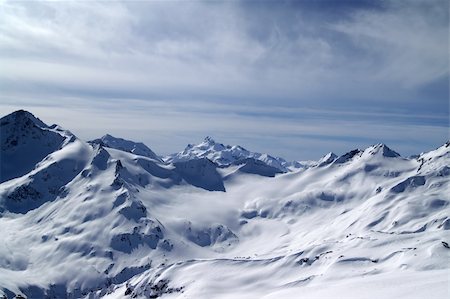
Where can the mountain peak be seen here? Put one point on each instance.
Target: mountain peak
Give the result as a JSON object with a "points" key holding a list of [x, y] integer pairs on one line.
{"points": [[208, 144], [137, 148], [383, 149], [224, 155], [25, 140], [377, 150], [327, 159], [209, 140], [22, 117]]}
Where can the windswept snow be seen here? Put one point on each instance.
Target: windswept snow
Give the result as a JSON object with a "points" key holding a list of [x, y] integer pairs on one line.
{"points": [[112, 220]]}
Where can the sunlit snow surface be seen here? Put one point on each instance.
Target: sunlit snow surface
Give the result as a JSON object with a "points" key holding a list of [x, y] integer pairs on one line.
{"points": [[91, 221]]}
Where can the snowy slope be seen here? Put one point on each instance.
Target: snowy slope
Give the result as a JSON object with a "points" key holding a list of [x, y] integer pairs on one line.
{"points": [[91, 221]]}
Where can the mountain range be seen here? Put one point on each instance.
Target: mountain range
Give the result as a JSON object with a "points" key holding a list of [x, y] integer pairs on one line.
{"points": [[109, 218]]}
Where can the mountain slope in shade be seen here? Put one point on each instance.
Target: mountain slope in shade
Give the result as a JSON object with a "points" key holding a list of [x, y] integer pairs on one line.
{"points": [[92, 221], [26, 140], [201, 173], [137, 148]]}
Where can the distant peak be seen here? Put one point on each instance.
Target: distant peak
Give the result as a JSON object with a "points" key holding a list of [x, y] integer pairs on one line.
{"points": [[209, 139], [137, 148], [110, 138], [327, 159], [330, 157], [23, 116], [22, 112], [384, 150], [380, 145]]}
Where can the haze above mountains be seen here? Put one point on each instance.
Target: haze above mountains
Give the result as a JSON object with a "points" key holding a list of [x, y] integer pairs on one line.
{"points": [[109, 218]]}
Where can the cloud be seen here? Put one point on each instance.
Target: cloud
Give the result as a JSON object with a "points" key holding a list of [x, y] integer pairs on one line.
{"points": [[312, 70], [196, 46], [292, 133], [408, 46]]}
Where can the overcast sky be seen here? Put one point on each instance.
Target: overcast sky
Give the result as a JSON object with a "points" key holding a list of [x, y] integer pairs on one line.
{"points": [[292, 78]]}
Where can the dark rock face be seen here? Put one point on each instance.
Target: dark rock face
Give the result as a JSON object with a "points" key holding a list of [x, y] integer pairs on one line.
{"points": [[211, 235], [411, 182], [25, 141], [127, 242], [43, 186], [201, 173], [134, 211], [347, 157], [258, 167]]}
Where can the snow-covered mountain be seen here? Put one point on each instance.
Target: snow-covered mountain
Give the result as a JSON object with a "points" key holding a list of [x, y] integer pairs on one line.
{"points": [[226, 155], [137, 148], [25, 141], [98, 220]]}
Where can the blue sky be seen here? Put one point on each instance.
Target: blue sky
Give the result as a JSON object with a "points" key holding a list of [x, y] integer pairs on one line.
{"points": [[292, 78]]}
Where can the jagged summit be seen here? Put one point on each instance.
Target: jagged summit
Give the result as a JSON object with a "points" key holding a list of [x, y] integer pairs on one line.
{"points": [[209, 143], [22, 118], [327, 159], [382, 149], [225, 155], [209, 140], [376, 151], [26, 140], [137, 148]]}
